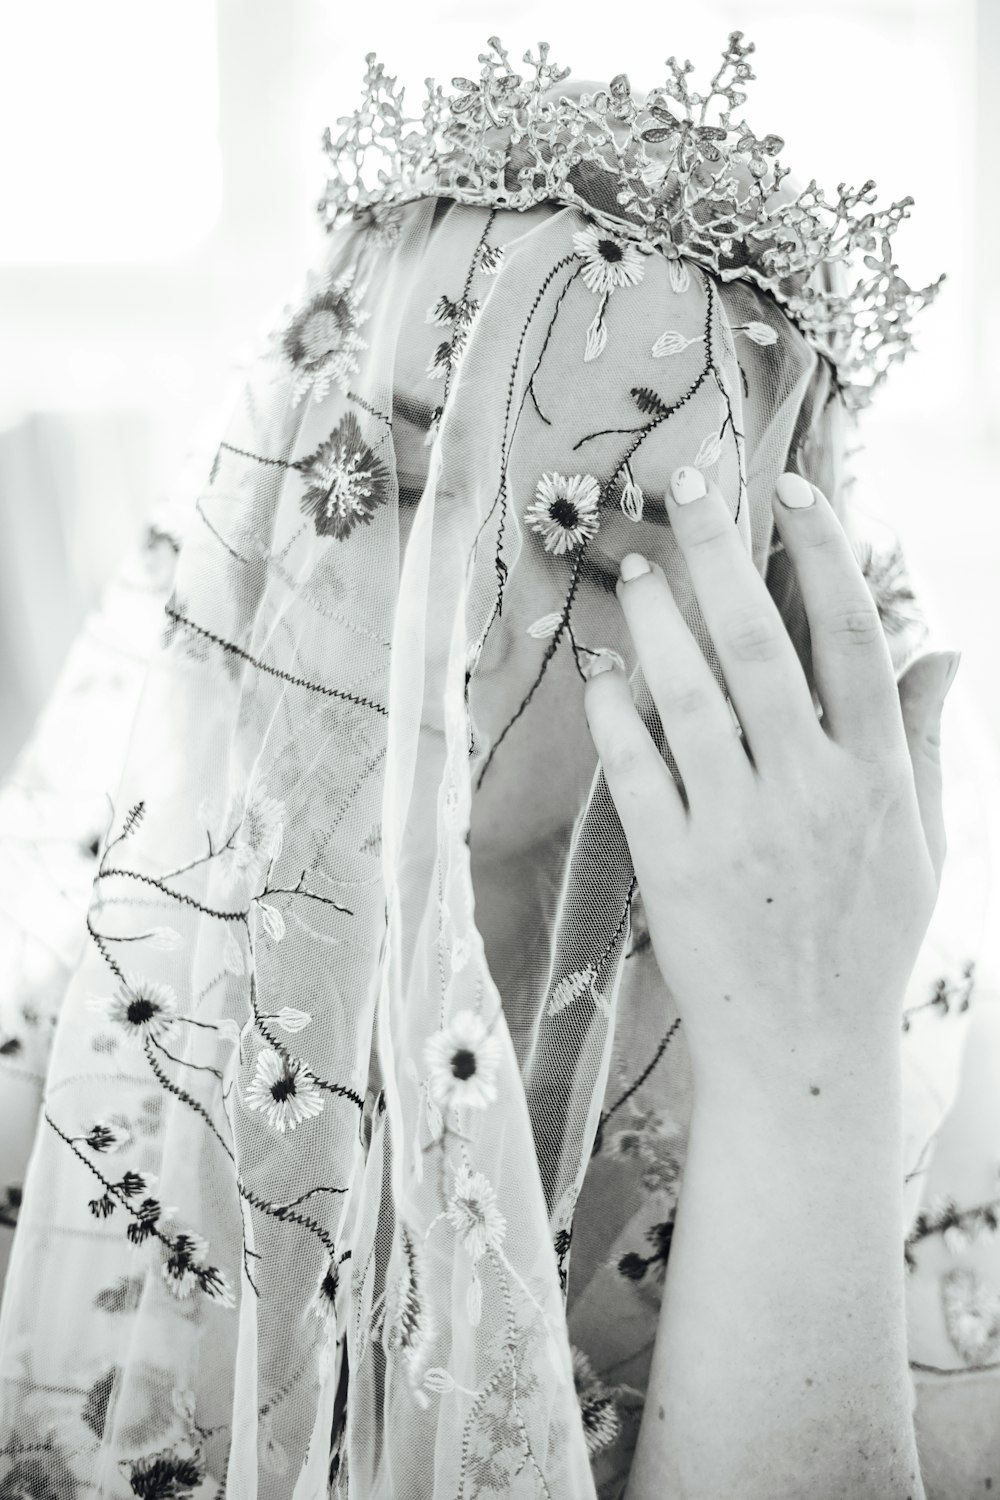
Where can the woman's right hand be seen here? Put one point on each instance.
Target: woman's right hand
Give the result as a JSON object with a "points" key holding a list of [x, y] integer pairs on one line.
{"points": [[788, 898]]}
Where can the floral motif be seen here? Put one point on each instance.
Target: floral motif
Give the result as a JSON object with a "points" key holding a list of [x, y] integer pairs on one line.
{"points": [[142, 1008], [597, 1405], [256, 821], [462, 1060], [166, 1476], [608, 262], [322, 341], [634, 1266], [104, 1137], [185, 1269], [284, 1091], [346, 481], [564, 512], [473, 1213]]}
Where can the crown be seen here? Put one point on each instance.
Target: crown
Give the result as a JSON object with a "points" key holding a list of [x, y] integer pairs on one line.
{"points": [[670, 167]]}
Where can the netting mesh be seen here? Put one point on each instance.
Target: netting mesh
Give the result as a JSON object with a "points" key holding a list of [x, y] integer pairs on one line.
{"points": [[364, 1121]]}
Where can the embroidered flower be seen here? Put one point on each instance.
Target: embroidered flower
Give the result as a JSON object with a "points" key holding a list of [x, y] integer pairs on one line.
{"points": [[285, 1092], [323, 1301], [166, 1476], [632, 498], [185, 1269], [608, 262], [346, 481], [564, 512], [473, 1213], [254, 829], [104, 1137], [462, 1062], [142, 1008], [597, 1404], [178, 1270], [322, 341]]}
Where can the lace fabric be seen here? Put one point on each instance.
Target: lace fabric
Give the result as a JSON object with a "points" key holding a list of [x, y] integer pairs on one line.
{"points": [[364, 1103]]}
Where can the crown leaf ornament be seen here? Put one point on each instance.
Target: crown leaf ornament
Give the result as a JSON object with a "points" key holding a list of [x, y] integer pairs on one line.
{"points": [[672, 169]]}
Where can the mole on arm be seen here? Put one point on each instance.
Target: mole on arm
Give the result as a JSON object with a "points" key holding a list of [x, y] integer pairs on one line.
{"points": [[814, 1088]]}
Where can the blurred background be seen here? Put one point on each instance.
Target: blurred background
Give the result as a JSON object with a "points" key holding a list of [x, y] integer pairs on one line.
{"points": [[159, 167]]}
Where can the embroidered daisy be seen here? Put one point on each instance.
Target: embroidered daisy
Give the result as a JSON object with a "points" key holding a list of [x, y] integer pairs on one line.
{"points": [[597, 1404], [285, 1092], [473, 1213], [608, 262], [142, 1008], [322, 341], [564, 512], [462, 1061], [346, 482]]}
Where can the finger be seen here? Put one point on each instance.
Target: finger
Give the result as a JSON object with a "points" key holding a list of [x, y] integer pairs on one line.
{"points": [[762, 671], [922, 690], [851, 662], [696, 719], [643, 790]]}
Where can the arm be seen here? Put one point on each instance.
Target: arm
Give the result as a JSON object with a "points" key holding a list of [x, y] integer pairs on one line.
{"points": [[788, 892], [780, 1361]]}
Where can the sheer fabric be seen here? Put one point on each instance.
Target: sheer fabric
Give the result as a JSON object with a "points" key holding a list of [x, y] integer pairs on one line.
{"points": [[364, 1102]]}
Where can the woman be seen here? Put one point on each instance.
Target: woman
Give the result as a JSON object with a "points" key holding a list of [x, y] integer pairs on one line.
{"points": [[521, 819]]}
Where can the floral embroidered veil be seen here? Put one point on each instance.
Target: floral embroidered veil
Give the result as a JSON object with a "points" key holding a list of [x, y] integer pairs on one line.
{"points": [[364, 1102]]}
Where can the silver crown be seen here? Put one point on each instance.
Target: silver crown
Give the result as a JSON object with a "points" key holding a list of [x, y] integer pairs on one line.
{"points": [[670, 168]]}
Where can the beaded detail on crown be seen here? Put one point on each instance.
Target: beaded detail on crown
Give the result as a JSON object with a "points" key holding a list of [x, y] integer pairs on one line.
{"points": [[672, 168]]}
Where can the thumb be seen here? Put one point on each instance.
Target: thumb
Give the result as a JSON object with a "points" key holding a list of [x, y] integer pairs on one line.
{"points": [[922, 691]]}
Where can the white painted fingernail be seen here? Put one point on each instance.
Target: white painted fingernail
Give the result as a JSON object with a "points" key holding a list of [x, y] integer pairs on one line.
{"points": [[794, 491], [633, 565], [599, 664], [687, 484]]}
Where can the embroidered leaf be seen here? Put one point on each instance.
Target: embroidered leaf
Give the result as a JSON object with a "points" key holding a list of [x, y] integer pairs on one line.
{"points": [[272, 921], [632, 500], [710, 451], [474, 1301], [439, 1380], [544, 627], [649, 402], [597, 339], [290, 1019], [680, 276]]}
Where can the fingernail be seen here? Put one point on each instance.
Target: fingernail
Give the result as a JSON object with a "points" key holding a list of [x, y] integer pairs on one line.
{"points": [[794, 492], [687, 484], [604, 662], [632, 565]]}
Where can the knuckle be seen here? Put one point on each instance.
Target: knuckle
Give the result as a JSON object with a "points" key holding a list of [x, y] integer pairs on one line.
{"points": [[622, 760], [685, 700], [753, 636], [855, 624]]}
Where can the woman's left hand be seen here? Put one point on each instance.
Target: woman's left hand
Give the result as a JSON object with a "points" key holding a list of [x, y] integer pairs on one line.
{"points": [[787, 891]]}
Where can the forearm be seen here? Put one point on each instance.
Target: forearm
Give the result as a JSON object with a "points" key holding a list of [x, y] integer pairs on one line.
{"points": [[780, 1365]]}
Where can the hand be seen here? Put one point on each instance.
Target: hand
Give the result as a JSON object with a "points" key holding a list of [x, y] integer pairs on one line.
{"points": [[788, 890]]}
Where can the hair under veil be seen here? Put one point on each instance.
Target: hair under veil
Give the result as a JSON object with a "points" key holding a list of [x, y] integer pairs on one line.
{"points": [[365, 1112]]}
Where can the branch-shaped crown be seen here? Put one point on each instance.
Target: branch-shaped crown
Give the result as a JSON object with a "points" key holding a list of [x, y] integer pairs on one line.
{"points": [[670, 168]]}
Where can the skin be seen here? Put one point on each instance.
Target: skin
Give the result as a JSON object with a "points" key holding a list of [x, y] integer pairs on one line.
{"points": [[780, 1364]]}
